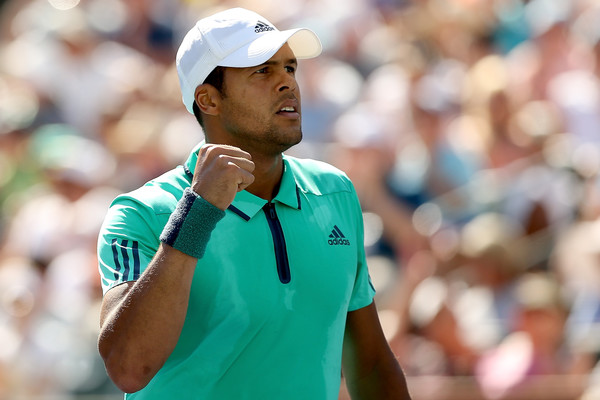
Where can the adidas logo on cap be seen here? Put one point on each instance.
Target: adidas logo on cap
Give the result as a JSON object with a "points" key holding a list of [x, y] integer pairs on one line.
{"points": [[337, 238], [263, 27]]}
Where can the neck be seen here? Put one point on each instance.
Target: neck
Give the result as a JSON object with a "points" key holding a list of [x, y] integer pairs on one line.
{"points": [[267, 176]]}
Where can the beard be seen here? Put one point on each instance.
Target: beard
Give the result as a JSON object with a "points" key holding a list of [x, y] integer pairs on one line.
{"points": [[258, 133], [268, 143]]}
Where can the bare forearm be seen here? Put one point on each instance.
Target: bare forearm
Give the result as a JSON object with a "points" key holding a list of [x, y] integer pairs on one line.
{"points": [[142, 329]]}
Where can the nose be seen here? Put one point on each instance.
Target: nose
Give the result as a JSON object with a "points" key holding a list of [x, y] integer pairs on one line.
{"points": [[287, 82]]}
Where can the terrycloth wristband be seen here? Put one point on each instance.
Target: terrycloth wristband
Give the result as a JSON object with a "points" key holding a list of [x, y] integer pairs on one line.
{"points": [[189, 227]]}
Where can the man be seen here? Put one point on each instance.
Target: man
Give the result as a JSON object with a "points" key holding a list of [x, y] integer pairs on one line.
{"points": [[241, 274]]}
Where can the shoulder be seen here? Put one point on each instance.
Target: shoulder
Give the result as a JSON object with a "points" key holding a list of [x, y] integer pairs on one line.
{"points": [[318, 177], [158, 196]]}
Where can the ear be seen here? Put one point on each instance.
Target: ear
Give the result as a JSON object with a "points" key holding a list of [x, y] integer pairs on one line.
{"points": [[207, 98]]}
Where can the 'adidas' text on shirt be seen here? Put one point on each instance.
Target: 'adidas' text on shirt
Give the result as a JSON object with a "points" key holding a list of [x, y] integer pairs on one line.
{"points": [[337, 238]]}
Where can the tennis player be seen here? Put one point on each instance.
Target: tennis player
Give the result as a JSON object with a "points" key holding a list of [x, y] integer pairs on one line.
{"points": [[241, 274]]}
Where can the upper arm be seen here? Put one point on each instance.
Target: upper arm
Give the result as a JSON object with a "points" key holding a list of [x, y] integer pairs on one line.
{"points": [[112, 298], [364, 341], [369, 365]]}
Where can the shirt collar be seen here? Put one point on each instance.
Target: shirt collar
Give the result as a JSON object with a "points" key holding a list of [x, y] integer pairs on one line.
{"points": [[247, 205]]}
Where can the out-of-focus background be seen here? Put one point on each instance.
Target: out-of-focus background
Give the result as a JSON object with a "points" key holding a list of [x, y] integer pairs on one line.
{"points": [[471, 129]]}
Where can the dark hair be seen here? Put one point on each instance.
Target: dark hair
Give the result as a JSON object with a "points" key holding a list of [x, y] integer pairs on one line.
{"points": [[215, 78]]}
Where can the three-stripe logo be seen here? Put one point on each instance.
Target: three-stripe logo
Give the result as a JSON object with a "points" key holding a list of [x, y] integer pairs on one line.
{"points": [[263, 27], [337, 238], [123, 262]]}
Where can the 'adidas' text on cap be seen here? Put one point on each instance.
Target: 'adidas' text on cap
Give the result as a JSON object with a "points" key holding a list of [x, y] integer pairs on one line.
{"points": [[234, 38]]}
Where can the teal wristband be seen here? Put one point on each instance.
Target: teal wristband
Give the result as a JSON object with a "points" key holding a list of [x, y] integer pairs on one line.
{"points": [[189, 227]]}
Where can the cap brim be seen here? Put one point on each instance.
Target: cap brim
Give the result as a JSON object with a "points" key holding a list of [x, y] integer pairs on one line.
{"points": [[303, 42]]}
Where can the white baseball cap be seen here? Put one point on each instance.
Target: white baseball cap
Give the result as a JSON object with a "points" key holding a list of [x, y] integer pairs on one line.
{"points": [[234, 38]]}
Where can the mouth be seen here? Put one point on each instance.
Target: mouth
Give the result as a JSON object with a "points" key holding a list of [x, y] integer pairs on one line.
{"points": [[289, 109], [284, 110]]}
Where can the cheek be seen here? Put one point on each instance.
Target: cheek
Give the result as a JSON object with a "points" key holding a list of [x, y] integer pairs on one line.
{"points": [[244, 102], [243, 116], [236, 107]]}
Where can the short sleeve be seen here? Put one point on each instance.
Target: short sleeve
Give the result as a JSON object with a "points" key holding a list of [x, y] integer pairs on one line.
{"points": [[363, 291], [128, 241]]}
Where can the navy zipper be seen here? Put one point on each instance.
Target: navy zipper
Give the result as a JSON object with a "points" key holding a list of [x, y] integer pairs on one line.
{"points": [[283, 266]]}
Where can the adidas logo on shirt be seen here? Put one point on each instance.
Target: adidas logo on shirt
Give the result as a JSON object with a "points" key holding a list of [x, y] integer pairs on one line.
{"points": [[337, 238], [262, 27]]}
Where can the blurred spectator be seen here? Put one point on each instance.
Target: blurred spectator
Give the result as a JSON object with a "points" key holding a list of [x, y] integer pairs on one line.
{"points": [[536, 345], [48, 267]]}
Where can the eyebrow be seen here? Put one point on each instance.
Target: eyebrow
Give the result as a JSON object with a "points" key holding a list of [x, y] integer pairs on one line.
{"points": [[293, 61]]}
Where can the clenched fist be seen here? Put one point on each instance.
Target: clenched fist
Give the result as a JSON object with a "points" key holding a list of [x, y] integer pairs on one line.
{"points": [[221, 172]]}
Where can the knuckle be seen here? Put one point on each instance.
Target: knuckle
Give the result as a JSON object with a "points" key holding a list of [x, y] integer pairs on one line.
{"points": [[206, 153], [224, 161], [207, 148]]}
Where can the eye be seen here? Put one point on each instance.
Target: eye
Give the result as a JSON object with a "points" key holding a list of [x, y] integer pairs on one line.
{"points": [[290, 69], [263, 70]]}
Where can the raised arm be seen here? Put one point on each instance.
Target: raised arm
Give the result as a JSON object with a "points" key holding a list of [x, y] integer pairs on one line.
{"points": [[370, 368], [141, 320]]}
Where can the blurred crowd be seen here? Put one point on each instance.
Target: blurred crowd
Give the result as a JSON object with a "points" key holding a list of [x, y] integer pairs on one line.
{"points": [[471, 129]]}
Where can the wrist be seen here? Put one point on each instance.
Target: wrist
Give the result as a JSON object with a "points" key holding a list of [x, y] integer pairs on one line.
{"points": [[191, 224]]}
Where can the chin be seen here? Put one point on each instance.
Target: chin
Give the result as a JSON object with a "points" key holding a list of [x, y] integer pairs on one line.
{"points": [[295, 140], [285, 140]]}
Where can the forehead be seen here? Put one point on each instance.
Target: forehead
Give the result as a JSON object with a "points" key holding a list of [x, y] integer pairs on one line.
{"points": [[285, 52]]}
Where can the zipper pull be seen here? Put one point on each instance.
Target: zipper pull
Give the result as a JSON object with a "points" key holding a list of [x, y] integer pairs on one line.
{"points": [[272, 210]]}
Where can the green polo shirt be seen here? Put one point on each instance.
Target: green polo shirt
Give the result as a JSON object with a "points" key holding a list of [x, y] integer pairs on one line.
{"points": [[269, 298]]}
